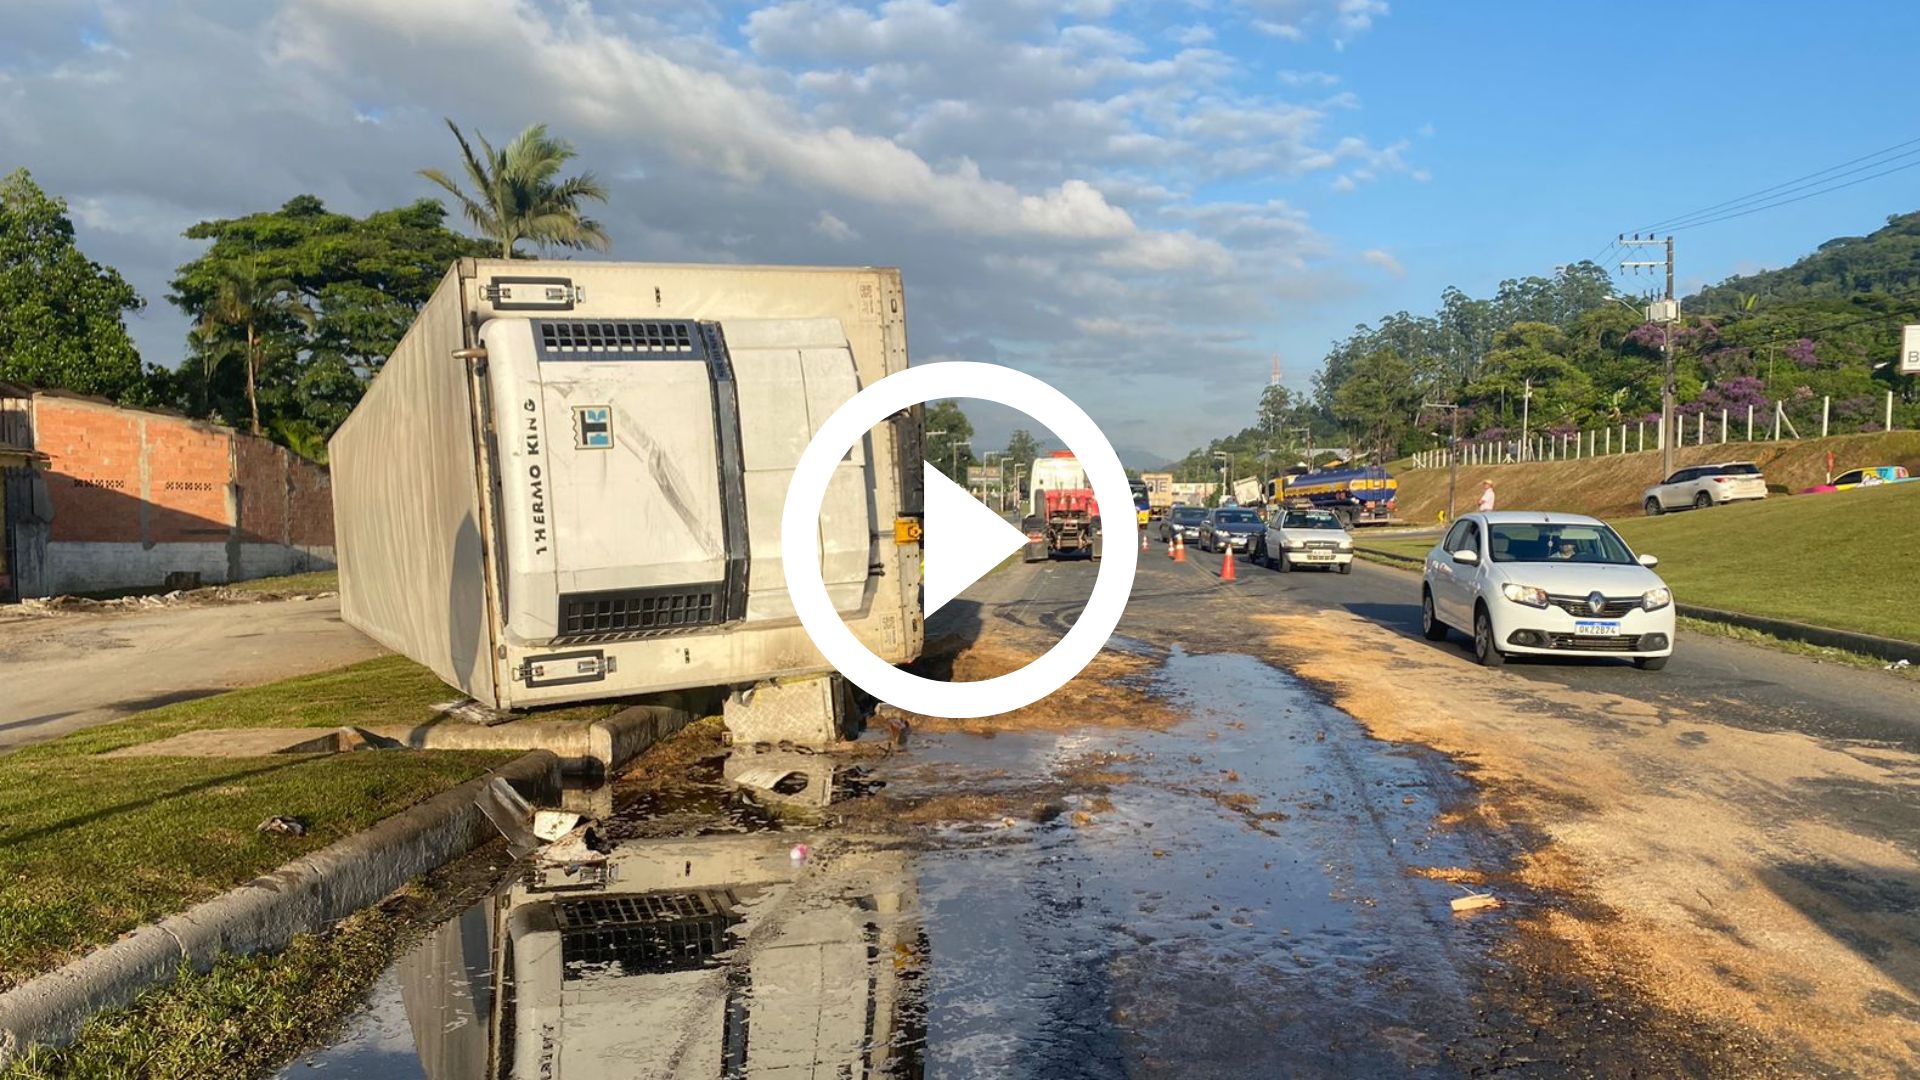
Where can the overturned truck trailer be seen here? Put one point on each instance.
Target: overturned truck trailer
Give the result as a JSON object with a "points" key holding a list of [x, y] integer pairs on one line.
{"points": [[566, 484]]}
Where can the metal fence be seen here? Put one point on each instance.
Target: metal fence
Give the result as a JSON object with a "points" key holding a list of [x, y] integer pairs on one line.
{"points": [[1696, 429]]}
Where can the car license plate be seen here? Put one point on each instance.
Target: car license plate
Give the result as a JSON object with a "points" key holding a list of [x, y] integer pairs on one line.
{"points": [[1591, 628]]}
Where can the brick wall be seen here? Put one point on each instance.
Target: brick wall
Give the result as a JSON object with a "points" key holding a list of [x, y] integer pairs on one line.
{"points": [[137, 495]]}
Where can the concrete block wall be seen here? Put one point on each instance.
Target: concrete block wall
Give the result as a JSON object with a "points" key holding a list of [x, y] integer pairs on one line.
{"points": [[138, 495]]}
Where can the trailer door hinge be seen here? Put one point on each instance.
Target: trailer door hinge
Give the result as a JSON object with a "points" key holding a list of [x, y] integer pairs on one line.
{"points": [[532, 293]]}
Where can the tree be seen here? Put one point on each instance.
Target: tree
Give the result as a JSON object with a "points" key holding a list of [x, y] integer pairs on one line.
{"points": [[1381, 399], [949, 450], [247, 304], [516, 196], [62, 315], [364, 278]]}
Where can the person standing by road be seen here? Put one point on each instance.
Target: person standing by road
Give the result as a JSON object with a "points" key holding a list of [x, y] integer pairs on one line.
{"points": [[1486, 495]]}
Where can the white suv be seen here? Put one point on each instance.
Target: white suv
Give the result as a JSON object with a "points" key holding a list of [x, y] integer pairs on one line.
{"points": [[1701, 486], [1548, 585]]}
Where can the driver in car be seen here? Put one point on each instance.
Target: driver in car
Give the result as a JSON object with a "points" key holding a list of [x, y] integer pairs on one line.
{"points": [[1565, 552]]}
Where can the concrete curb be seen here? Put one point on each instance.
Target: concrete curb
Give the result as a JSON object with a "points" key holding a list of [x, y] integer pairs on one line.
{"points": [[266, 913], [1866, 644], [602, 745]]}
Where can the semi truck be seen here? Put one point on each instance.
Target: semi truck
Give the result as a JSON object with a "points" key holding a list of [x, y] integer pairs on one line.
{"points": [[566, 485], [1356, 494], [1159, 494], [1063, 518]]}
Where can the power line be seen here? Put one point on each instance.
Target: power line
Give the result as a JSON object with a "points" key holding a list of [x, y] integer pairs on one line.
{"points": [[1797, 198], [1799, 180]]}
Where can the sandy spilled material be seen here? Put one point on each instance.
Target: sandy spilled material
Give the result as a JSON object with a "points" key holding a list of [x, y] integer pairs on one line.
{"points": [[1738, 887], [1099, 696]]}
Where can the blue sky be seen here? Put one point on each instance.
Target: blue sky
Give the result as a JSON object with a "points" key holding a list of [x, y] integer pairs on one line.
{"points": [[1139, 202]]}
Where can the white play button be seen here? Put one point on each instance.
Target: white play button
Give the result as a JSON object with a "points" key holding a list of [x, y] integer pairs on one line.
{"points": [[962, 539]]}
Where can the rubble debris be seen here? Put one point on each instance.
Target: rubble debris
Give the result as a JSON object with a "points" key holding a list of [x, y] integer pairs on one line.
{"points": [[551, 825], [282, 826], [1474, 901]]}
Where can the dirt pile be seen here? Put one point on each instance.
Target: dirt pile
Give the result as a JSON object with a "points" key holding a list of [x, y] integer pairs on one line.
{"points": [[1725, 873]]}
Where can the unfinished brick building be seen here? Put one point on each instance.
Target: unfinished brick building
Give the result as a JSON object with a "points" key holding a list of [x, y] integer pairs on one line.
{"points": [[99, 498]]}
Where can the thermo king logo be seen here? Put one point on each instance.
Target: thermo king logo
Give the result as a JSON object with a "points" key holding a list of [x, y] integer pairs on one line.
{"points": [[593, 427]]}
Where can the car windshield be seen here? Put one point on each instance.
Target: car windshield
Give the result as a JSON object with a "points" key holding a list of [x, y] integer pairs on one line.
{"points": [[1237, 517], [1547, 542], [1741, 469], [1318, 519], [1189, 514]]}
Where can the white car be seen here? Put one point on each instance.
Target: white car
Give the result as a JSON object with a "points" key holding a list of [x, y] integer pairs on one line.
{"points": [[1527, 583], [1299, 538], [1701, 486]]}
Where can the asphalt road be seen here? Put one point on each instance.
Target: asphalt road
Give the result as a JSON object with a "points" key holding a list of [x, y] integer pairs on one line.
{"points": [[1744, 685], [70, 670]]}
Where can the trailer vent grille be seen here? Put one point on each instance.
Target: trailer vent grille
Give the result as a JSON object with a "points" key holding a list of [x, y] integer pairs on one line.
{"points": [[618, 340], [638, 612], [645, 934]]}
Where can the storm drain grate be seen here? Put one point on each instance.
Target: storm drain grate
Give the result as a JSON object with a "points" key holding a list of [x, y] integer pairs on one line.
{"points": [[644, 934], [618, 340]]}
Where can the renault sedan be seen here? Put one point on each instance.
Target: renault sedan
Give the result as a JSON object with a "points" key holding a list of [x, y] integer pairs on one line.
{"points": [[1524, 583]]}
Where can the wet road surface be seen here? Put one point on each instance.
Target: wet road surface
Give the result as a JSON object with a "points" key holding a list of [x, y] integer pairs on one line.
{"points": [[1258, 888]]}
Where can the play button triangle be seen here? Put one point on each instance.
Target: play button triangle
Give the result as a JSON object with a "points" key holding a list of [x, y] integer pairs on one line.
{"points": [[962, 539]]}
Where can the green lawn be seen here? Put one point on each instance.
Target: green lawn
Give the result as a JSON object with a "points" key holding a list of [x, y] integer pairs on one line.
{"points": [[315, 582], [1413, 549], [1839, 560], [1842, 560], [91, 847]]}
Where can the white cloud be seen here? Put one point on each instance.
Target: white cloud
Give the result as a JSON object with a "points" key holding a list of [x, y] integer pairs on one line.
{"points": [[1038, 172], [1281, 30], [834, 229], [1384, 260]]}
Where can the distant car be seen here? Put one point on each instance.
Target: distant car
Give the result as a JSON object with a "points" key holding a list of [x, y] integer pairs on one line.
{"points": [[1700, 486], [1235, 527], [1522, 582], [1298, 538], [1184, 522], [1873, 476]]}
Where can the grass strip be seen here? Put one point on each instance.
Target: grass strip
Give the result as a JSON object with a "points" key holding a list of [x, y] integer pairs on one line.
{"points": [[91, 846], [249, 1014]]}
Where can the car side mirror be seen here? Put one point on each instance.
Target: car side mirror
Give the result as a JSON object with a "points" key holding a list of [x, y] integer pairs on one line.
{"points": [[1467, 557], [1649, 561]]}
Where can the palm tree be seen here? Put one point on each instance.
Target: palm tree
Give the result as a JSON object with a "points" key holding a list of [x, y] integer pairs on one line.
{"points": [[516, 196], [242, 301]]}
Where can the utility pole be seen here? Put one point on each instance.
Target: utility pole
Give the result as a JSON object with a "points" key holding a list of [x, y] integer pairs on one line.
{"points": [[1453, 449], [1667, 314], [1526, 414]]}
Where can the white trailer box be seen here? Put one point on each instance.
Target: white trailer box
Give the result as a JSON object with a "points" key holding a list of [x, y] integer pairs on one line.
{"points": [[566, 483]]}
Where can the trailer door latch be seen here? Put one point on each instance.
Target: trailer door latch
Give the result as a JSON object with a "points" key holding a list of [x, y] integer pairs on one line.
{"points": [[561, 669], [532, 293]]}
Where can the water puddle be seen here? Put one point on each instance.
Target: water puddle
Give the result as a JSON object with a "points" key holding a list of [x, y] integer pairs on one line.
{"points": [[1238, 895]]}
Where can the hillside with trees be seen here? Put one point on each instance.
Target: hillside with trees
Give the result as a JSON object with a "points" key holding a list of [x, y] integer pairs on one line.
{"points": [[1562, 354]]}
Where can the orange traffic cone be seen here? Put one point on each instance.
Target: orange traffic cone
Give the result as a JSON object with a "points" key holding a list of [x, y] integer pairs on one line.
{"points": [[1143, 539], [1226, 568], [1179, 549]]}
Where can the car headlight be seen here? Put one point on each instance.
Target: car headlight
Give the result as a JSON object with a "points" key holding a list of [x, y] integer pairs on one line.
{"points": [[1346, 545], [1525, 594], [1295, 545], [1655, 599]]}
